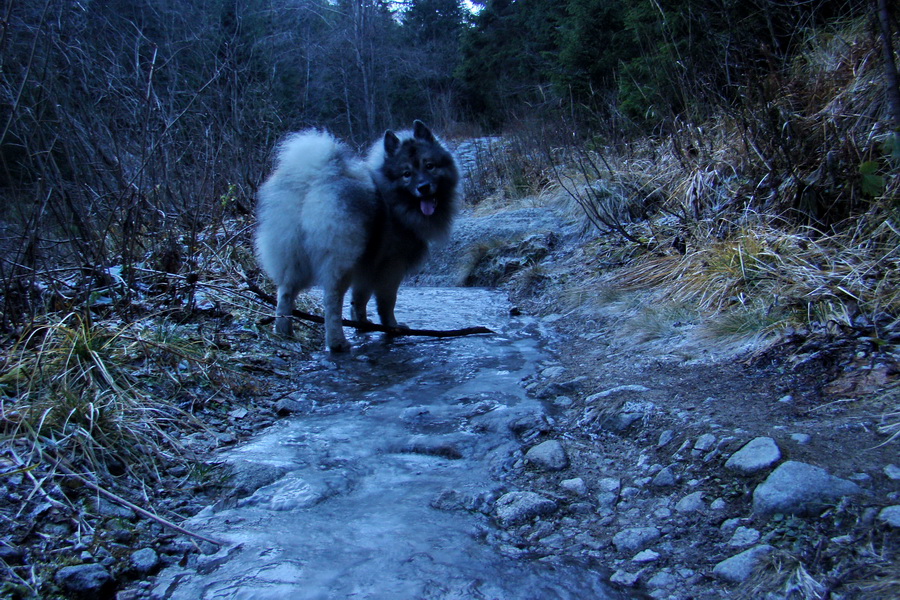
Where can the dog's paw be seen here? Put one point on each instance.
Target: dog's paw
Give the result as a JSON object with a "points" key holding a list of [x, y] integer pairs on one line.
{"points": [[284, 326], [339, 346]]}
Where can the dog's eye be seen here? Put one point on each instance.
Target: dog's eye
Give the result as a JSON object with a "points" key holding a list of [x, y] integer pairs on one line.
{"points": [[429, 166], [407, 173]]}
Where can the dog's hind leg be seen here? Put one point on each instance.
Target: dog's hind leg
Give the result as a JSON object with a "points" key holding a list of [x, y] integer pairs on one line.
{"points": [[285, 308], [334, 305]]}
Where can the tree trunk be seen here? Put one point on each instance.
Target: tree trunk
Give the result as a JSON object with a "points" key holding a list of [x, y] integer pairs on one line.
{"points": [[891, 79]]}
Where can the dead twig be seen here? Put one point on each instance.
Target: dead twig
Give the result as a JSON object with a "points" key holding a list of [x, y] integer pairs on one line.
{"points": [[367, 326], [141, 511]]}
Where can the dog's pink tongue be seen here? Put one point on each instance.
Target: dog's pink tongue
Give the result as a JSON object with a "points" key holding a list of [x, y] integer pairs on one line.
{"points": [[427, 207]]}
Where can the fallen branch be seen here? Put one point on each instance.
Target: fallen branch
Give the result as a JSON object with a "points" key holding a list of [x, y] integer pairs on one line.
{"points": [[366, 325], [141, 511]]}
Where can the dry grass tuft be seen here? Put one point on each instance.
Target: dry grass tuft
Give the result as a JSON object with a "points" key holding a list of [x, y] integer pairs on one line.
{"points": [[784, 575], [85, 392]]}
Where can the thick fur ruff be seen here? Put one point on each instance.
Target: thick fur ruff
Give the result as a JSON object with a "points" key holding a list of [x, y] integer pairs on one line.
{"points": [[329, 218]]}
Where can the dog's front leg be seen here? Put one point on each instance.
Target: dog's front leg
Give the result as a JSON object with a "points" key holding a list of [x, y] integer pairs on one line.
{"points": [[386, 299], [358, 303]]}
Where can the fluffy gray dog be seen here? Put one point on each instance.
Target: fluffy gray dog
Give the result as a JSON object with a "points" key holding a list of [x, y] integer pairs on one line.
{"points": [[327, 217]]}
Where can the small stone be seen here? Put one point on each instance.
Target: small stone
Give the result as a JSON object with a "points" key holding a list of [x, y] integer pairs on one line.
{"points": [[88, 580], [744, 536], [629, 492], [662, 513], [738, 568], [690, 503], [801, 438], [892, 471], [729, 526], [799, 488], [704, 443], [609, 484], [624, 578], [607, 499], [665, 478], [787, 399], [645, 556], [144, 561], [718, 504], [635, 539], [551, 372], [890, 515], [665, 438], [517, 507], [615, 390], [293, 404], [549, 455], [757, 455], [662, 579], [574, 486]]}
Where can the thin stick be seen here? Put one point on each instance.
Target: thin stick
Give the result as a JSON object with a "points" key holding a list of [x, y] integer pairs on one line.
{"points": [[366, 326], [136, 508]]}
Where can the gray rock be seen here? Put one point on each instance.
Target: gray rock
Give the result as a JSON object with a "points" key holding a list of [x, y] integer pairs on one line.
{"points": [[624, 578], [729, 526], [665, 478], [614, 391], [757, 455], [665, 437], [690, 503], [743, 537], [575, 486], [718, 504], [662, 579], [645, 556], [514, 508], [890, 515], [549, 455], [799, 488], [801, 438], [704, 443], [609, 484], [738, 568], [144, 561], [607, 499], [89, 581], [892, 471], [248, 476], [293, 404], [553, 372], [635, 539]]}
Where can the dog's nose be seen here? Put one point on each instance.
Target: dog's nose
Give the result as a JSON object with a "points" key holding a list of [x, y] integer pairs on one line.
{"points": [[424, 189]]}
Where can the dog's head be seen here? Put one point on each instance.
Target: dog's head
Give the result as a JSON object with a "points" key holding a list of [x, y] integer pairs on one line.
{"points": [[420, 173]]}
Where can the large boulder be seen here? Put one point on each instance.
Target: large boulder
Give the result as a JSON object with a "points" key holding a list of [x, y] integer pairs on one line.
{"points": [[801, 489]]}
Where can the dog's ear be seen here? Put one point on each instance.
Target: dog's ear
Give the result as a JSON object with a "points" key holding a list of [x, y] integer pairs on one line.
{"points": [[421, 131], [391, 143]]}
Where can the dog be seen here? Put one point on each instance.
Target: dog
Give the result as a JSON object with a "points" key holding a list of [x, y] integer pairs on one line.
{"points": [[328, 217]]}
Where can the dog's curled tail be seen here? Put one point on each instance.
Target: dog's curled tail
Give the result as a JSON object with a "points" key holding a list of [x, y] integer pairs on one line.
{"points": [[309, 156]]}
